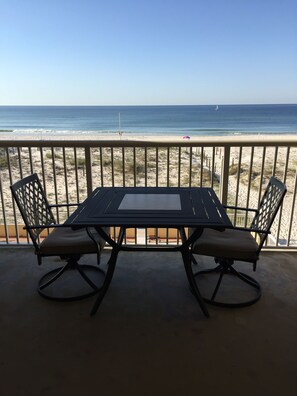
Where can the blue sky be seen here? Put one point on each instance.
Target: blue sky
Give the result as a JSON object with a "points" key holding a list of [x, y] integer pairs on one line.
{"points": [[112, 52]]}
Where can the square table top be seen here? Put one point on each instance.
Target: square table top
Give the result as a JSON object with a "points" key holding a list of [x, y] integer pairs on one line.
{"points": [[151, 207]]}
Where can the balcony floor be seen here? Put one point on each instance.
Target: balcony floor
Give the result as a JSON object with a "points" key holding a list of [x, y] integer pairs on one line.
{"points": [[149, 337]]}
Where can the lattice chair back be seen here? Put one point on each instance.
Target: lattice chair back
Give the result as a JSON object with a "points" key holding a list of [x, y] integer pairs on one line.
{"points": [[269, 206], [33, 205]]}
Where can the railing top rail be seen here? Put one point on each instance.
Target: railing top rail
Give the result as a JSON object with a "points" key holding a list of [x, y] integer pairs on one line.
{"points": [[220, 141]]}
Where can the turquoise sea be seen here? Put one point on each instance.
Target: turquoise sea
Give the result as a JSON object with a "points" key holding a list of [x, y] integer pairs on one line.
{"points": [[208, 120]]}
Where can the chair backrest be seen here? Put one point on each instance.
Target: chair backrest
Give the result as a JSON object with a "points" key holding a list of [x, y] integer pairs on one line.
{"points": [[269, 206], [33, 205]]}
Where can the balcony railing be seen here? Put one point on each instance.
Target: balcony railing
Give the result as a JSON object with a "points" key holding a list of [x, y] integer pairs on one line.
{"points": [[238, 168]]}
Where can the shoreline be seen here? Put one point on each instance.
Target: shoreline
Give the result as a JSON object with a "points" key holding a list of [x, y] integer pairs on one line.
{"points": [[242, 138]]}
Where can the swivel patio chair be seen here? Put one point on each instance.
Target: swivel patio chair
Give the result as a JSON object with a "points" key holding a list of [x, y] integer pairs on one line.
{"points": [[72, 281], [238, 244]]}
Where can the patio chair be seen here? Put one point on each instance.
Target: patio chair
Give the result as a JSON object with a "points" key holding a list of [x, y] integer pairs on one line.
{"points": [[238, 244], [72, 281]]}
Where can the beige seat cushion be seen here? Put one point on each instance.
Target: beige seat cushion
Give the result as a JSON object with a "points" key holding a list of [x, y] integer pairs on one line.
{"points": [[233, 244], [64, 240]]}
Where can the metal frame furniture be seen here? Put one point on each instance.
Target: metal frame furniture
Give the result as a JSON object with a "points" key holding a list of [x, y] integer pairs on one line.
{"points": [[62, 241], [150, 207], [239, 244]]}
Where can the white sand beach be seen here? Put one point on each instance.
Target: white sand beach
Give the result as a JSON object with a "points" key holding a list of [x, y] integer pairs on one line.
{"points": [[229, 138]]}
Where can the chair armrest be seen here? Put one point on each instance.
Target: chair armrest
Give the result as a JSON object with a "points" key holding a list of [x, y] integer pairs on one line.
{"points": [[33, 227], [258, 230], [239, 208], [61, 205]]}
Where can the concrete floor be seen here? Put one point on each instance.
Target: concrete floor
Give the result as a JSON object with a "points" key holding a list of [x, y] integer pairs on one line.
{"points": [[149, 337]]}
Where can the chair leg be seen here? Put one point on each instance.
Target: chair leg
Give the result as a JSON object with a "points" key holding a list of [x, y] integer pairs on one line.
{"points": [[218, 285], [86, 278], [244, 277], [69, 292], [225, 267], [56, 275]]}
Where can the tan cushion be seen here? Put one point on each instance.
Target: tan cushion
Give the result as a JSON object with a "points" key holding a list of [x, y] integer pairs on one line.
{"points": [[233, 244], [64, 240]]}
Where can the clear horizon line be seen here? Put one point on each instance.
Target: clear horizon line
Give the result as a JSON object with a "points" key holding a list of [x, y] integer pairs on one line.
{"points": [[147, 105]]}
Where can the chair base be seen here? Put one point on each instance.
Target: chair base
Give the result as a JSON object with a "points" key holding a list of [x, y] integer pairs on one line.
{"points": [[223, 269], [78, 282]]}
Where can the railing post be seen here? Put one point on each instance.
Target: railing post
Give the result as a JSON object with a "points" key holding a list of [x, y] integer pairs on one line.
{"points": [[225, 175], [88, 156]]}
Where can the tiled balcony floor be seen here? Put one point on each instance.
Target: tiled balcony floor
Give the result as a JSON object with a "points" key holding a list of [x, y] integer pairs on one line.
{"points": [[149, 337]]}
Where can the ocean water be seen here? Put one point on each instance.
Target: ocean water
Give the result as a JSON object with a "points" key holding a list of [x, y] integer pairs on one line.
{"points": [[152, 120]]}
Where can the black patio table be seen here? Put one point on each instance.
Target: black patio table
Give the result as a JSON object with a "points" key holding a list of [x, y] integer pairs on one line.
{"points": [[151, 207]]}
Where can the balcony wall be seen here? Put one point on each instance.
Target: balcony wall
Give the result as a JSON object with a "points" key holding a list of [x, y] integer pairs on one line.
{"points": [[238, 168]]}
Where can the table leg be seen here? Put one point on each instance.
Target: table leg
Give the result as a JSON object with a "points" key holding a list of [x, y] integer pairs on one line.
{"points": [[187, 259], [186, 254], [109, 273]]}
